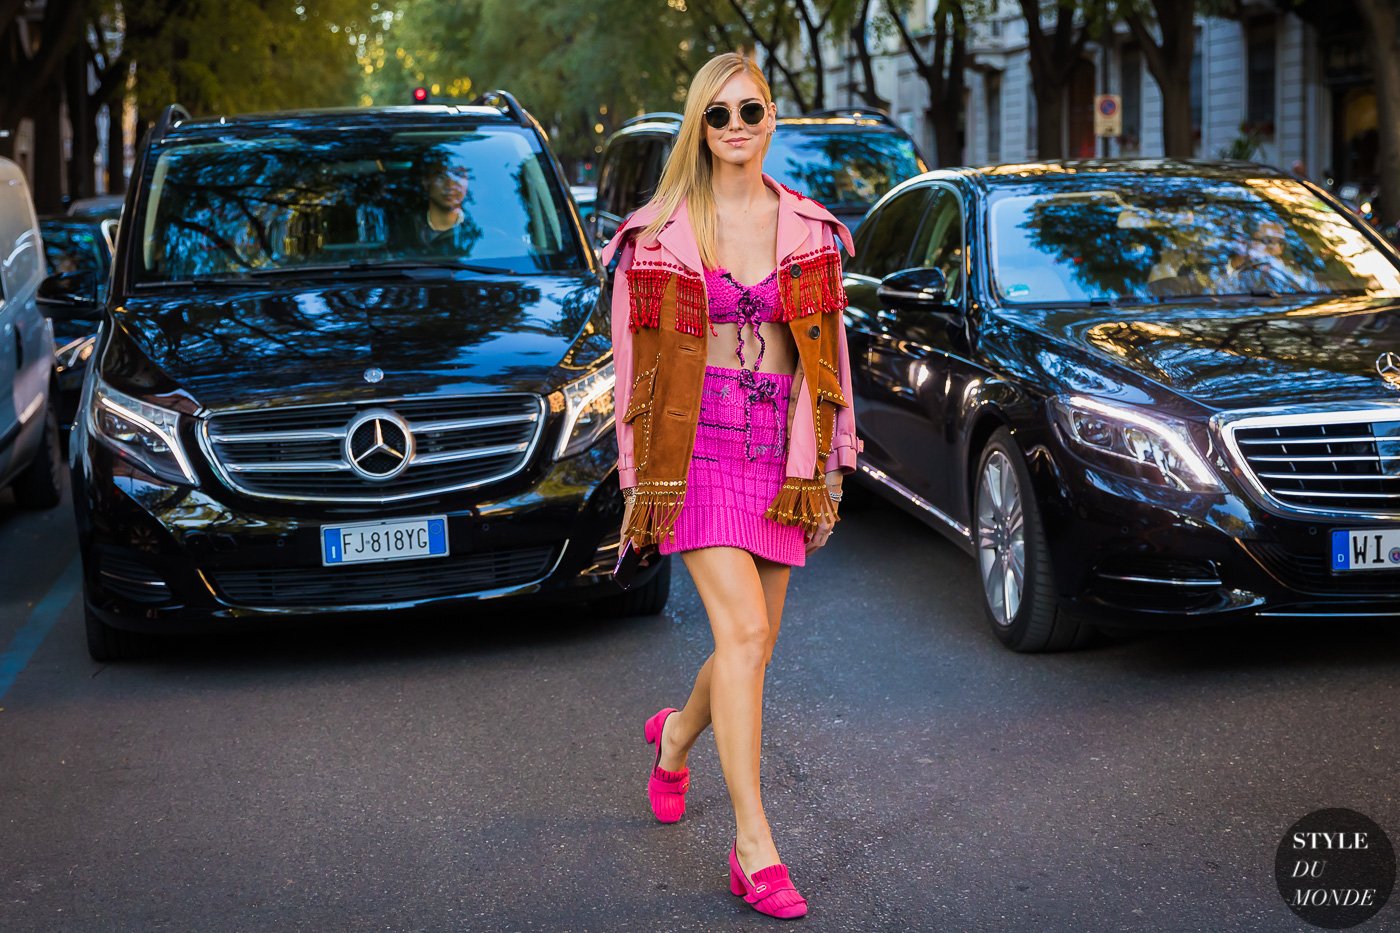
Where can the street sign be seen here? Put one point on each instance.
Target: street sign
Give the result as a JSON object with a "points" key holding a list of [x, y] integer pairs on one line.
{"points": [[1108, 115]]}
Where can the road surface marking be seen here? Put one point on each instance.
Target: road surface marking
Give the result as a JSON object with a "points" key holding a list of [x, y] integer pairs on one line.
{"points": [[41, 618]]}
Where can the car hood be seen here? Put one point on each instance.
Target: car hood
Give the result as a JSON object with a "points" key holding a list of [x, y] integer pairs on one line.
{"points": [[312, 343], [1241, 356]]}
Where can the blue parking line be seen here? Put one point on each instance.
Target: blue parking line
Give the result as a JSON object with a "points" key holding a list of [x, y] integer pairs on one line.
{"points": [[41, 618]]}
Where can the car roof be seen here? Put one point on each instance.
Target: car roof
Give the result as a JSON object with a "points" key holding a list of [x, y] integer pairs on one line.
{"points": [[1072, 170], [436, 116], [669, 126]]}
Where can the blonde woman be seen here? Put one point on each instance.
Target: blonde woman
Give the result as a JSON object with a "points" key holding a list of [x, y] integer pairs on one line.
{"points": [[734, 425]]}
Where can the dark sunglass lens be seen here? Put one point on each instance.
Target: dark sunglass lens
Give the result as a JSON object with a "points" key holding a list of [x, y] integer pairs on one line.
{"points": [[752, 113], [717, 117]]}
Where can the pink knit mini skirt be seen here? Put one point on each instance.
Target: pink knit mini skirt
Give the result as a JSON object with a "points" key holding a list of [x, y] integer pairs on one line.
{"points": [[737, 467]]}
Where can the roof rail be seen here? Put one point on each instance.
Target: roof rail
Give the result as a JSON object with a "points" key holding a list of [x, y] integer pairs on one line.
{"points": [[171, 117], [855, 113], [659, 116], [505, 102]]}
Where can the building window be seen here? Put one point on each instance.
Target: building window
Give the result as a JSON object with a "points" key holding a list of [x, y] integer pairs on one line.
{"points": [[993, 85], [1031, 116], [1197, 105], [1261, 53], [1131, 83]]}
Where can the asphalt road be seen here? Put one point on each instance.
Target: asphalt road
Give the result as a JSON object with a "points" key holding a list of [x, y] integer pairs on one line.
{"points": [[488, 773]]}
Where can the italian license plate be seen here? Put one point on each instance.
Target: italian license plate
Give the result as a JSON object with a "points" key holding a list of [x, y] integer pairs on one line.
{"points": [[1369, 549], [371, 542]]}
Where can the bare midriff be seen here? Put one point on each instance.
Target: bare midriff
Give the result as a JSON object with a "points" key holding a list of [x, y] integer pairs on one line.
{"points": [[743, 334]]}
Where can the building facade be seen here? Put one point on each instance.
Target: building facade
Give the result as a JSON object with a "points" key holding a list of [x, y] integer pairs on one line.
{"points": [[1293, 88]]}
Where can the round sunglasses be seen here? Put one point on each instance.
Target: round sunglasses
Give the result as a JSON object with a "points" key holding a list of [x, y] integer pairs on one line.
{"points": [[752, 113]]}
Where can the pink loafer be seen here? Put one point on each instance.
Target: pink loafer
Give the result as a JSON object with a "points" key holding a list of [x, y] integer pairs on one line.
{"points": [[770, 891], [665, 789]]}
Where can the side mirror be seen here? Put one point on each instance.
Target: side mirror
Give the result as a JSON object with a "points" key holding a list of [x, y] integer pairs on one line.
{"points": [[915, 290], [70, 296]]}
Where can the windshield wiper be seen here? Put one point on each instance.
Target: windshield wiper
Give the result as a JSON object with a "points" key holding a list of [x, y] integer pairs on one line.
{"points": [[186, 283], [359, 266]]}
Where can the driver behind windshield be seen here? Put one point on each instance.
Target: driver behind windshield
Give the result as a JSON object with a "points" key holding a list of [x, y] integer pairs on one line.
{"points": [[1257, 264], [439, 224]]}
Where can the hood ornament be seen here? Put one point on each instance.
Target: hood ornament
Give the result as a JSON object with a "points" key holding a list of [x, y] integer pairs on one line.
{"points": [[374, 374], [1388, 365]]}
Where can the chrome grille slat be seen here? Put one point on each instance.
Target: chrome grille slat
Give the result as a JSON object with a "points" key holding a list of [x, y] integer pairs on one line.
{"points": [[274, 436], [290, 466], [1308, 440], [464, 423], [296, 452], [1337, 495], [453, 456], [1344, 477], [1285, 456]]}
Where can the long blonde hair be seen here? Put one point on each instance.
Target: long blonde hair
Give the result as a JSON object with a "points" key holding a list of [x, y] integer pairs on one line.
{"points": [[688, 170]]}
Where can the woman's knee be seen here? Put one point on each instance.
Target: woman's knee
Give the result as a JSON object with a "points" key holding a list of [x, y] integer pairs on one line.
{"points": [[744, 638]]}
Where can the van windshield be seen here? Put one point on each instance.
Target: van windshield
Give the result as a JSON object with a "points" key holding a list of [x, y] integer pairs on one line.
{"points": [[484, 196], [840, 168]]}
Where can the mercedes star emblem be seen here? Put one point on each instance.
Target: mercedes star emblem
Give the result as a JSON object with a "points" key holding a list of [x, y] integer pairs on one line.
{"points": [[378, 444], [374, 374], [1388, 365]]}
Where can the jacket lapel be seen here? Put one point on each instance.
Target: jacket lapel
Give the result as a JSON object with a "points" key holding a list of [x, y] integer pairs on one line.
{"points": [[679, 239], [792, 229]]}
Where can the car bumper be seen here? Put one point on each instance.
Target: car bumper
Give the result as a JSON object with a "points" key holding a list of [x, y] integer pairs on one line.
{"points": [[1128, 553], [160, 558]]}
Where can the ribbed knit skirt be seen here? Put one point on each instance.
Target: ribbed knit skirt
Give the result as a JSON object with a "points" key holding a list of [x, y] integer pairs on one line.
{"points": [[726, 492]]}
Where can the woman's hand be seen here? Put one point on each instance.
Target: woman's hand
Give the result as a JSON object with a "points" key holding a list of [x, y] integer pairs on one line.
{"points": [[822, 534], [627, 520]]}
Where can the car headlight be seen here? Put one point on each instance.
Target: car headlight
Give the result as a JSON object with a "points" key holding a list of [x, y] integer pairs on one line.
{"points": [[588, 411], [1128, 440], [144, 433]]}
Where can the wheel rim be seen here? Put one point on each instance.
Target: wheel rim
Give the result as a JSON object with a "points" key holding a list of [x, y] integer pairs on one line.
{"points": [[1001, 539]]}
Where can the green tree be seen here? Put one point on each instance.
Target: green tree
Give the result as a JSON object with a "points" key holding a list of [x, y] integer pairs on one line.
{"points": [[580, 69]]}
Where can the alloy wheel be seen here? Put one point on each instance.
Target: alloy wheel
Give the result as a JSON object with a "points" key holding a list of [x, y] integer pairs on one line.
{"points": [[1001, 538]]}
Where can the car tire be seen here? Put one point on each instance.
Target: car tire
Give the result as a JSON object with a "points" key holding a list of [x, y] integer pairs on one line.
{"points": [[1022, 608], [40, 486], [106, 643], [646, 600]]}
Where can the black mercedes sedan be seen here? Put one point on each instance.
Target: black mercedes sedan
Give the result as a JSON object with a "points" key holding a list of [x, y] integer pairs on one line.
{"points": [[351, 361], [1137, 393]]}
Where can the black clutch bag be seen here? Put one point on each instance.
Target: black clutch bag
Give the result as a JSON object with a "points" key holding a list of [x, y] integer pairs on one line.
{"points": [[628, 560]]}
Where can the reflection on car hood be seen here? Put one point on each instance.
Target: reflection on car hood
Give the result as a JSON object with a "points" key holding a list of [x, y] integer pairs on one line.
{"points": [[1239, 355], [314, 343]]}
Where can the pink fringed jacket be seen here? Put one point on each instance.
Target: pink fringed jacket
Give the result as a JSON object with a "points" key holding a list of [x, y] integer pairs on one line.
{"points": [[660, 326]]}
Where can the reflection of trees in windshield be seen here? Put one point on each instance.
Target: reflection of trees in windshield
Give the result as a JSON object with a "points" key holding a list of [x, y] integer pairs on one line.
{"points": [[1172, 237], [840, 169], [1233, 350], [229, 208]]}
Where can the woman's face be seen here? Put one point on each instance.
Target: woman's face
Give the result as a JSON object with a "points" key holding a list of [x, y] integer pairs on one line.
{"points": [[737, 142]]}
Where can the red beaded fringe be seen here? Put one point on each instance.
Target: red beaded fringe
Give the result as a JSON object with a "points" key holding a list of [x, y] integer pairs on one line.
{"points": [[645, 286], [818, 288], [690, 305]]}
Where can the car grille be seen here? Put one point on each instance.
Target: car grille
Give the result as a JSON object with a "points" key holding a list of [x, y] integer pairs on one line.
{"points": [[298, 453], [1335, 462], [383, 584], [1312, 573]]}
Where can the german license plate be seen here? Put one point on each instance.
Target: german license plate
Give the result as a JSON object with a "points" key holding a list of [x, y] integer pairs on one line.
{"points": [[1368, 549], [372, 542]]}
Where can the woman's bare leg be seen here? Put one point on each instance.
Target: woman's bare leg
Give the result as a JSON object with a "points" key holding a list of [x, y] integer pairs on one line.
{"points": [[685, 726], [732, 590]]}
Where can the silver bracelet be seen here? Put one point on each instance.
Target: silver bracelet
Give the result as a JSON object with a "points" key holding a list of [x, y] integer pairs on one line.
{"points": [[834, 496]]}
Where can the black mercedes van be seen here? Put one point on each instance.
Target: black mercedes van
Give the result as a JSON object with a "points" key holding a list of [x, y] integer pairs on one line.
{"points": [[350, 361]]}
